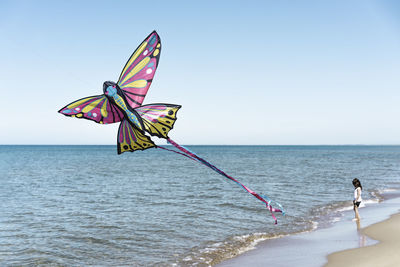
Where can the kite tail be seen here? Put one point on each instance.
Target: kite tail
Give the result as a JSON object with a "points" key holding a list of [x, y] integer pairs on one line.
{"points": [[187, 153]]}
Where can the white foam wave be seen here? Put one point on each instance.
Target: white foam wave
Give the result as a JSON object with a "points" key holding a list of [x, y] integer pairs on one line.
{"points": [[368, 202], [256, 238], [335, 219], [347, 208], [363, 204], [314, 226], [227, 249], [388, 190]]}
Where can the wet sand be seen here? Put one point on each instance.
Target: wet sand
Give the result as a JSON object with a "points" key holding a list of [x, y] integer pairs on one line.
{"points": [[385, 253]]}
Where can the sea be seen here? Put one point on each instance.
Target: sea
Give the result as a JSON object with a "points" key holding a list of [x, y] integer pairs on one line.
{"points": [[88, 206]]}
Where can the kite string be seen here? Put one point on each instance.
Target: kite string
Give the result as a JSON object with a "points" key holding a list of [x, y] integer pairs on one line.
{"points": [[187, 153]]}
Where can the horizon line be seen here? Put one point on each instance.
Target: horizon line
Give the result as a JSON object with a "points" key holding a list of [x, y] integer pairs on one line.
{"points": [[209, 145]]}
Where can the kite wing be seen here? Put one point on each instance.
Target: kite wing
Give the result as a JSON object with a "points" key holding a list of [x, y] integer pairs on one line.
{"points": [[95, 108], [130, 139], [138, 73], [158, 119]]}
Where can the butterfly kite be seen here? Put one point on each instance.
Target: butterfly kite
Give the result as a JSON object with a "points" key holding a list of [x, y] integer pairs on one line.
{"points": [[122, 102]]}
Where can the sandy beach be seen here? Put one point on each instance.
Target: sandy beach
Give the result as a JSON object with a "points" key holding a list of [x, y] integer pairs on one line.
{"points": [[385, 253]]}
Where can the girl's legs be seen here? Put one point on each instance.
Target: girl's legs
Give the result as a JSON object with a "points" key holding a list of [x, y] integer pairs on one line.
{"points": [[357, 215]]}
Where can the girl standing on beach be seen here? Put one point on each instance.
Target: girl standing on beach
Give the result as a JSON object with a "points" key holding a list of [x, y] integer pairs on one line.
{"points": [[357, 197]]}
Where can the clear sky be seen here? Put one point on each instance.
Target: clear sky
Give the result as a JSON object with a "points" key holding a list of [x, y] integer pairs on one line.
{"points": [[245, 72]]}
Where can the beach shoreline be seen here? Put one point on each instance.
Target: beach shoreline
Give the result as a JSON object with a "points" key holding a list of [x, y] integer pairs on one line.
{"points": [[384, 253], [312, 248]]}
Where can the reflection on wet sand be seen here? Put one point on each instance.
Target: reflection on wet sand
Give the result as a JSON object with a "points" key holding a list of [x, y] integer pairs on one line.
{"points": [[362, 239]]}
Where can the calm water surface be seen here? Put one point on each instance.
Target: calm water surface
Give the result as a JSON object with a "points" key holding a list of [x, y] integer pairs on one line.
{"points": [[85, 205]]}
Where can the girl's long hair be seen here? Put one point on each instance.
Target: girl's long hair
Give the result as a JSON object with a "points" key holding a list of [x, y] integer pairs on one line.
{"points": [[357, 183]]}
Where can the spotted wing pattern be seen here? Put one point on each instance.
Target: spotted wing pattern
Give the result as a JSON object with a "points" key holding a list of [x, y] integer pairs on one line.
{"points": [[138, 73], [95, 108], [158, 119], [130, 139]]}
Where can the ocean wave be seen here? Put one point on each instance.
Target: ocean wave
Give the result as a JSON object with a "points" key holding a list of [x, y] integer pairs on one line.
{"points": [[216, 252], [388, 190], [363, 204]]}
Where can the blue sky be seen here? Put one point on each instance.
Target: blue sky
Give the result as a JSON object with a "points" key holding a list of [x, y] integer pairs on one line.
{"points": [[245, 72]]}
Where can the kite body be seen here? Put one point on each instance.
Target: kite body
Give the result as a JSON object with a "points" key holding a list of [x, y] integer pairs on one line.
{"points": [[122, 102], [114, 94]]}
